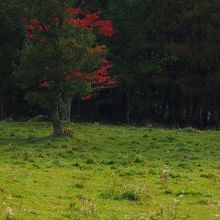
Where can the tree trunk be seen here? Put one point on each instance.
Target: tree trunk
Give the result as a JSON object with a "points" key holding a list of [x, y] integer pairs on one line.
{"points": [[204, 118], [65, 105], [163, 108], [2, 108], [68, 108], [128, 110], [170, 107], [57, 126]]}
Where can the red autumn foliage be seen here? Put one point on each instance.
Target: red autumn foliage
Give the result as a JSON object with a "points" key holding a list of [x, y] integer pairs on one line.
{"points": [[77, 17], [87, 97], [34, 26], [43, 83], [98, 78], [99, 49], [92, 21], [82, 19]]}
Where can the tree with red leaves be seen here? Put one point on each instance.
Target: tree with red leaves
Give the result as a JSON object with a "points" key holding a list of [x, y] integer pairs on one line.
{"points": [[61, 58]]}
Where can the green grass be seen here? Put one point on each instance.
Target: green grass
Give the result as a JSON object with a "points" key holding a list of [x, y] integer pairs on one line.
{"points": [[108, 172]]}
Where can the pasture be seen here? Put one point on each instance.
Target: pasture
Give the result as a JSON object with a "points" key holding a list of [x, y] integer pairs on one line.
{"points": [[108, 172]]}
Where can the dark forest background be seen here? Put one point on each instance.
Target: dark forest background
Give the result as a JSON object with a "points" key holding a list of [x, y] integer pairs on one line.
{"points": [[166, 53]]}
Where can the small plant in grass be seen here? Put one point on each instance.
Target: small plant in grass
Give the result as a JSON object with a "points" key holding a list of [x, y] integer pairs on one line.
{"points": [[69, 132], [89, 207], [113, 188], [163, 213], [175, 208], [9, 213], [127, 217], [83, 208], [165, 176], [149, 216], [10, 146], [73, 211]]}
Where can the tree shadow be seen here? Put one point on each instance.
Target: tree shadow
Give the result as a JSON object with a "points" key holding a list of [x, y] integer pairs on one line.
{"points": [[27, 142]]}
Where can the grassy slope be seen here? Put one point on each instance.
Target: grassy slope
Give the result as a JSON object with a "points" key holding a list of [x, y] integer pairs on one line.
{"points": [[108, 172]]}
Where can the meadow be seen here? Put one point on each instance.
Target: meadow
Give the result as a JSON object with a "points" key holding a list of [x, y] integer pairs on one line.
{"points": [[108, 172]]}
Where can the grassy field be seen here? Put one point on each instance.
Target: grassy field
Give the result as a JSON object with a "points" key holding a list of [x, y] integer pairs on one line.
{"points": [[108, 172]]}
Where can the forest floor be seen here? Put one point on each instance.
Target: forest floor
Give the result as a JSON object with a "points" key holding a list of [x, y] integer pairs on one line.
{"points": [[108, 172]]}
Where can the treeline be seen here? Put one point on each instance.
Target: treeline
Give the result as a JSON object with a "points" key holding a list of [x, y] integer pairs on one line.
{"points": [[166, 53]]}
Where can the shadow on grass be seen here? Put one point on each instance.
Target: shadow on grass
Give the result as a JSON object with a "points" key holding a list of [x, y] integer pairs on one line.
{"points": [[26, 134], [25, 141]]}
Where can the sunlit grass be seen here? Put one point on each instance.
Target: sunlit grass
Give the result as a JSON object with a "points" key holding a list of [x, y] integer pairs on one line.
{"points": [[108, 172]]}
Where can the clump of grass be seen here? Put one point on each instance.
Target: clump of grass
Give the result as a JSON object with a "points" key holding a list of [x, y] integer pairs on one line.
{"points": [[189, 193], [168, 192], [79, 186], [165, 212], [149, 216], [90, 160], [170, 138], [95, 148], [26, 155], [129, 192], [190, 130], [75, 164], [57, 163], [84, 208], [64, 146], [72, 149], [174, 176], [129, 159], [152, 172], [10, 146], [89, 207], [125, 173], [60, 153], [113, 187], [12, 135], [208, 175], [108, 162], [138, 159], [73, 211], [203, 202], [2, 190], [125, 160]]}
